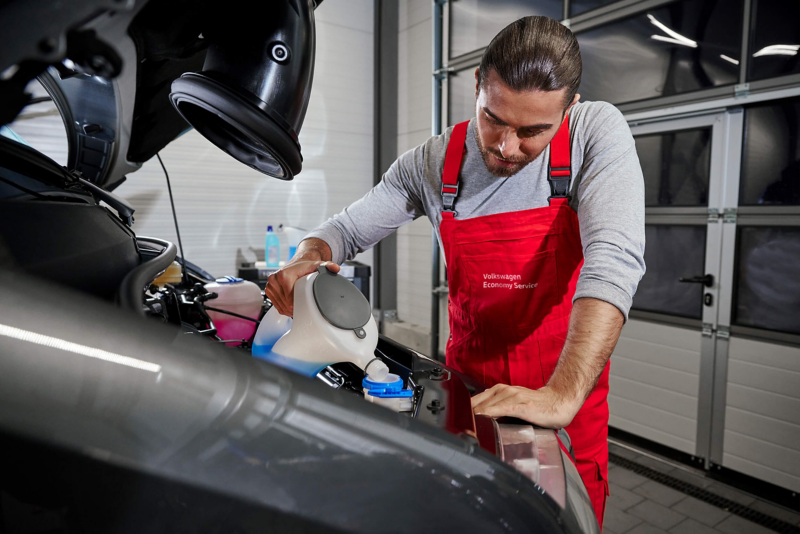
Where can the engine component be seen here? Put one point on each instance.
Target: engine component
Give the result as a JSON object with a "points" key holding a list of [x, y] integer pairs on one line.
{"points": [[389, 393], [251, 97], [242, 299]]}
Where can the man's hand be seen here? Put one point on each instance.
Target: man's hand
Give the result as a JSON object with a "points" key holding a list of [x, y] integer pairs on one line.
{"points": [[543, 407], [594, 329], [280, 285]]}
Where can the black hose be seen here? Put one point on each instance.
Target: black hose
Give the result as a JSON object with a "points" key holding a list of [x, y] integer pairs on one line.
{"points": [[184, 274], [131, 290]]}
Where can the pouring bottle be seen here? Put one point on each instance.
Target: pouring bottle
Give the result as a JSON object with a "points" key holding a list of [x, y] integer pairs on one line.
{"points": [[332, 323]]}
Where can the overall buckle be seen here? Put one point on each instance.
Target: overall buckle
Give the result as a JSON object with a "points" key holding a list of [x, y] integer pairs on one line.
{"points": [[449, 194], [559, 178]]}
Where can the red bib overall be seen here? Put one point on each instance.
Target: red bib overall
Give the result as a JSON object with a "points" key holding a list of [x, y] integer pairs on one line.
{"points": [[512, 277]]}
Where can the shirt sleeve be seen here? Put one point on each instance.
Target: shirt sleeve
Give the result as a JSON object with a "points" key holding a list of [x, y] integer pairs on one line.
{"points": [[610, 211], [395, 201]]}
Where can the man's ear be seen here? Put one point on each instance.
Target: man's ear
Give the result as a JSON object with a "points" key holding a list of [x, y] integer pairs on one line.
{"points": [[575, 100], [477, 84]]}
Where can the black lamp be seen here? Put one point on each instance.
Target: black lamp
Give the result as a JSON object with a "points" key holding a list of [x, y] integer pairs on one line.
{"points": [[251, 97]]}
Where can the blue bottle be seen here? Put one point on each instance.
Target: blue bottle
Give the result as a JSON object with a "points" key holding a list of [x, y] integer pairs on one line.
{"points": [[272, 250]]}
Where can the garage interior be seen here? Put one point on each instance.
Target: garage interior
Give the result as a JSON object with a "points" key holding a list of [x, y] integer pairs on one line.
{"points": [[705, 379]]}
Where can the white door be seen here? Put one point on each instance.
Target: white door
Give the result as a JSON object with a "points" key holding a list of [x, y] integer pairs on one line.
{"points": [[662, 369]]}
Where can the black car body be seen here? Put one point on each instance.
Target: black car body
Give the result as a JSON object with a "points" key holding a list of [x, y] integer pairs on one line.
{"points": [[113, 422]]}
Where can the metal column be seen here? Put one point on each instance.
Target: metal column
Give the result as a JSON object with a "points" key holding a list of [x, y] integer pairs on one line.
{"points": [[385, 136], [436, 123]]}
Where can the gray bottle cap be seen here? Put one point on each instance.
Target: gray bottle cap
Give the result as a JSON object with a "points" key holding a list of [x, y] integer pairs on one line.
{"points": [[340, 302]]}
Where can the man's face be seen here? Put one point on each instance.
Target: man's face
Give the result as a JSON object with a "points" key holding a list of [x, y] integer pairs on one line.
{"points": [[514, 128]]}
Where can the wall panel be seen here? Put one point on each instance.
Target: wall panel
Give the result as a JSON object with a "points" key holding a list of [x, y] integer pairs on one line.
{"points": [[654, 383], [762, 415], [414, 128]]}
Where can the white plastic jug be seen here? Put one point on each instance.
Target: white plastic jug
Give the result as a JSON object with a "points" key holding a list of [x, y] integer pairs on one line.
{"points": [[332, 323], [238, 296]]}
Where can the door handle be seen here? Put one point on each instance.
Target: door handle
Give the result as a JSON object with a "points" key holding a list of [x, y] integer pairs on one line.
{"points": [[707, 280]]}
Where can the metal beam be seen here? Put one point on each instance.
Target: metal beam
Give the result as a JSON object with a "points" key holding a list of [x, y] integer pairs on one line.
{"points": [[385, 136], [436, 129]]}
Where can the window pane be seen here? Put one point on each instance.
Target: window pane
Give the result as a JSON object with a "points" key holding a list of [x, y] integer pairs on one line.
{"points": [[461, 96], [580, 6], [474, 23], [776, 39], [672, 252], [673, 49], [40, 126], [771, 154], [676, 167], [768, 278]]}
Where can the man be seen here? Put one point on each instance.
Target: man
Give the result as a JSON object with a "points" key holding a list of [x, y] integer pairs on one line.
{"points": [[539, 203]]}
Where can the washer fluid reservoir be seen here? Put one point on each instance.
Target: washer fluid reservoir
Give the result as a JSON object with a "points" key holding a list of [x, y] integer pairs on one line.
{"points": [[237, 296], [332, 323], [388, 392]]}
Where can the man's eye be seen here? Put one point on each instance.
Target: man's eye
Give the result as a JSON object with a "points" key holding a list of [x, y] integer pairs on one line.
{"points": [[530, 133]]}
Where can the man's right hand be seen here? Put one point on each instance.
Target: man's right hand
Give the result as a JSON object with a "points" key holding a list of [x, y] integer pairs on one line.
{"points": [[280, 285]]}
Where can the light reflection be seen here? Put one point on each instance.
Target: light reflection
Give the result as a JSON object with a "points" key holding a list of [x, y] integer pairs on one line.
{"points": [[729, 59], [676, 38], [778, 50], [671, 40], [57, 343]]}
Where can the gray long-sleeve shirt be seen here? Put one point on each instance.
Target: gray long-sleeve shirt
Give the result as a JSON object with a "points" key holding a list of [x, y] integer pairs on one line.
{"points": [[607, 192]]}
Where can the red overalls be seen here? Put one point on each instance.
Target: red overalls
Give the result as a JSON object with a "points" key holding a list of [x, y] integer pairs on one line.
{"points": [[512, 277]]}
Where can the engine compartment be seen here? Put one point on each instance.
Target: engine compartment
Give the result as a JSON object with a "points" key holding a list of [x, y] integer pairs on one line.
{"points": [[440, 397]]}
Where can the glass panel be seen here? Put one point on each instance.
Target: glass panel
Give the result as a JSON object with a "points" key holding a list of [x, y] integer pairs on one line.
{"points": [[460, 96], [676, 167], [474, 23], [40, 126], [768, 278], [771, 154], [672, 252], [577, 7], [670, 50], [776, 39]]}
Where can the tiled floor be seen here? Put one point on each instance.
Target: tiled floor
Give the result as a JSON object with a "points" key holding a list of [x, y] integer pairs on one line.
{"points": [[638, 505]]}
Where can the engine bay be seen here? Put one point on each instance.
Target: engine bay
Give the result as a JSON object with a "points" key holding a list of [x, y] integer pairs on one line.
{"points": [[424, 387]]}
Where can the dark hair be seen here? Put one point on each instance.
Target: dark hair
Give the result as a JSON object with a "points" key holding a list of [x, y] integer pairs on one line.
{"points": [[534, 53]]}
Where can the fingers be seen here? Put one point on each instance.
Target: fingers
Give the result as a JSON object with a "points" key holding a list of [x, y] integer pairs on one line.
{"points": [[502, 397], [275, 292], [332, 267], [280, 285], [280, 290], [501, 409], [488, 394]]}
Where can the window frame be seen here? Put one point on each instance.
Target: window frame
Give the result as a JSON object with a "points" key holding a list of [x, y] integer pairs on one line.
{"points": [[693, 215], [626, 8]]}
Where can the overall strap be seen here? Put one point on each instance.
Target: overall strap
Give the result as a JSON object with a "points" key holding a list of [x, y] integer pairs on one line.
{"points": [[559, 169], [452, 164]]}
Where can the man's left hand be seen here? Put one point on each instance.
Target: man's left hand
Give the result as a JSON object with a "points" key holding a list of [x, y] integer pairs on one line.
{"points": [[543, 407]]}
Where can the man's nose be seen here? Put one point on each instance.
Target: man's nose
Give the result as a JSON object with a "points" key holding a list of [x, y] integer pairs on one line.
{"points": [[509, 143]]}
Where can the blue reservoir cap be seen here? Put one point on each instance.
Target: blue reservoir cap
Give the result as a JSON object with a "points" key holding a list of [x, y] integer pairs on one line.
{"points": [[229, 280], [269, 228], [386, 390]]}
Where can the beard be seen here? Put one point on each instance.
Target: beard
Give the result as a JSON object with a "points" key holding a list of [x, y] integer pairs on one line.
{"points": [[489, 153]]}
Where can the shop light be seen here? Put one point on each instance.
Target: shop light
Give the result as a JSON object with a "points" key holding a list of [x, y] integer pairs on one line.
{"points": [[91, 352], [671, 40], [778, 50], [729, 59], [674, 37]]}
